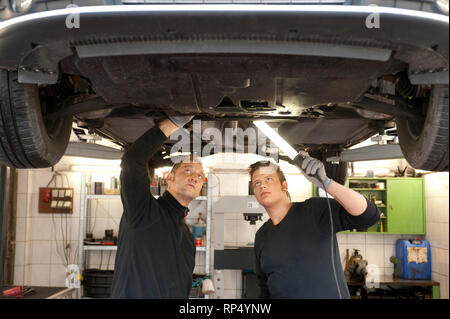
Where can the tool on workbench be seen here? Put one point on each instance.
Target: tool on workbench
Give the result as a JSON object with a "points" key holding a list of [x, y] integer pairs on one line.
{"points": [[357, 267], [394, 260], [109, 239], [18, 292], [347, 264]]}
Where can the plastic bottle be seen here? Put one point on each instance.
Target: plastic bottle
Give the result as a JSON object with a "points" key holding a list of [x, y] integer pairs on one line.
{"points": [[199, 227], [204, 190], [200, 220]]}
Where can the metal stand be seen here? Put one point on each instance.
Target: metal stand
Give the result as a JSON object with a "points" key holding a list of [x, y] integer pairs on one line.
{"points": [[238, 257]]}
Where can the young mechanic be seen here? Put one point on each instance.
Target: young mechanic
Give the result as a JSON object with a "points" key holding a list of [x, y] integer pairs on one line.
{"points": [[156, 250], [297, 254]]}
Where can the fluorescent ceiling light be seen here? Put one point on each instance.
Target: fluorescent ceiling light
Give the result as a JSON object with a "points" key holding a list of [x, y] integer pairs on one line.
{"points": [[91, 168], [379, 171], [276, 139], [87, 161]]}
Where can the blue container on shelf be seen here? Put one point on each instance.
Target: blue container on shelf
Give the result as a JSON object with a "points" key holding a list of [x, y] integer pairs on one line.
{"points": [[414, 259], [198, 231]]}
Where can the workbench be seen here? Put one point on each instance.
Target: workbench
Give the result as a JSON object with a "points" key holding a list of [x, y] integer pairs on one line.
{"points": [[389, 281], [43, 293]]}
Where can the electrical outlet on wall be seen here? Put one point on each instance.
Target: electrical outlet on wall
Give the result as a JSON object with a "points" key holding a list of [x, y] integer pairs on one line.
{"points": [[55, 200]]}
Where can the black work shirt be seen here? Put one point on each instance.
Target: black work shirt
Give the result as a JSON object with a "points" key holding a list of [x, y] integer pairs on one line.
{"points": [[293, 258], [156, 251]]}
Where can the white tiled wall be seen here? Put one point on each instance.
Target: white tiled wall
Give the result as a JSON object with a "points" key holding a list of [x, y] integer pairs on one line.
{"points": [[39, 237], [436, 201]]}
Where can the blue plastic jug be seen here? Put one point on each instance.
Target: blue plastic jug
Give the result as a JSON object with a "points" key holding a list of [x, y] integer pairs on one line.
{"points": [[414, 259]]}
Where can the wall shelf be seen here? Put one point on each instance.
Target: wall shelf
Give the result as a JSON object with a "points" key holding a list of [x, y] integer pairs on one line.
{"points": [[99, 247], [96, 196], [114, 247]]}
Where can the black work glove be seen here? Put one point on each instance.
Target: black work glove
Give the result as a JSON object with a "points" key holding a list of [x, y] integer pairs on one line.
{"points": [[181, 121], [313, 169]]}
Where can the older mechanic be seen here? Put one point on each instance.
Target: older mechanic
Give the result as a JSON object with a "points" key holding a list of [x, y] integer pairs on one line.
{"points": [[156, 251]]}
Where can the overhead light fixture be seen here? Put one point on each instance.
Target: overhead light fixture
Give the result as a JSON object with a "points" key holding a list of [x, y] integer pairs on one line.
{"points": [[276, 139], [93, 168], [20, 6]]}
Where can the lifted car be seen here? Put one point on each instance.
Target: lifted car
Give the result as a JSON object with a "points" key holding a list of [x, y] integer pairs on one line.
{"points": [[327, 76]]}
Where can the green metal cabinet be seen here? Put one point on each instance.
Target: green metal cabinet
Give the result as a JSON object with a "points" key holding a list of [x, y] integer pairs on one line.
{"points": [[405, 206], [401, 203]]}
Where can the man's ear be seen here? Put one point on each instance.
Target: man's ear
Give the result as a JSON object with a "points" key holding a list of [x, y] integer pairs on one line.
{"points": [[169, 178], [284, 186]]}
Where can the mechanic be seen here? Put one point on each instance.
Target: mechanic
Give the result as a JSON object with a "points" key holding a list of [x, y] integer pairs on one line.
{"points": [[156, 251], [297, 255]]}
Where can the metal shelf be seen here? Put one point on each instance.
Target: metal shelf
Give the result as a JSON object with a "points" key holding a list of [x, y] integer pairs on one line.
{"points": [[118, 197], [102, 196], [99, 247], [114, 247]]}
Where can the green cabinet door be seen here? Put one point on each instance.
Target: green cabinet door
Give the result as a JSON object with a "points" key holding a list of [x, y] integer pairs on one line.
{"points": [[405, 211]]}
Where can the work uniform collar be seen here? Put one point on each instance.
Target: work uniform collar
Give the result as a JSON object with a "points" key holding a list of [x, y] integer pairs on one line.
{"points": [[174, 205]]}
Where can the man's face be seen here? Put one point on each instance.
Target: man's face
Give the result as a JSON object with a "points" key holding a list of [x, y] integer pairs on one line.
{"points": [[267, 186], [187, 180]]}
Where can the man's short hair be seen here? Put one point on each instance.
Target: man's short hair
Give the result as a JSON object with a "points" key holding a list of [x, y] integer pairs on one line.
{"points": [[261, 164], [192, 158]]}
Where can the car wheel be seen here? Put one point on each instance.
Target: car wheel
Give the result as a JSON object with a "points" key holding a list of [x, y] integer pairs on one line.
{"points": [[27, 139], [425, 143]]}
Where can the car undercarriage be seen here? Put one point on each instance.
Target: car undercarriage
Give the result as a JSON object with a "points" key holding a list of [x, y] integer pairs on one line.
{"points": [[321, 77]]}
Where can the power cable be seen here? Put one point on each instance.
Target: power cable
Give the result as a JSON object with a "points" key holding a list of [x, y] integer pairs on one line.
{"points": [[332, 241]]}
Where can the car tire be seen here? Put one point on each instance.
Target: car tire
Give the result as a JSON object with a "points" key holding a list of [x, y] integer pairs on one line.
{"points": [[425, 145], [336, 171], [26, 140]]}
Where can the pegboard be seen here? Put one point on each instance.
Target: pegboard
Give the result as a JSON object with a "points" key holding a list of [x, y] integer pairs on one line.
{"points": [[55, 200]]}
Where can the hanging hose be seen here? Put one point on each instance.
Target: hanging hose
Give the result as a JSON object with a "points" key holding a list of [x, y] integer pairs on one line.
{"points": [[332, 244]]}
